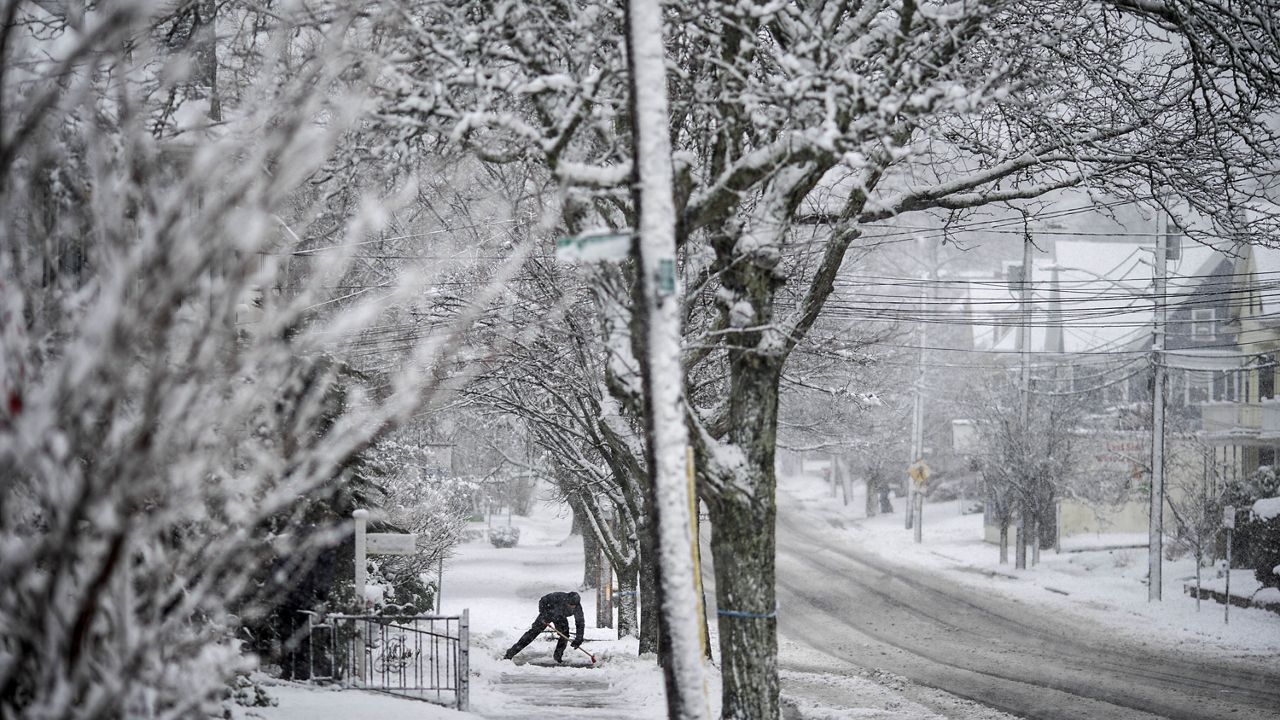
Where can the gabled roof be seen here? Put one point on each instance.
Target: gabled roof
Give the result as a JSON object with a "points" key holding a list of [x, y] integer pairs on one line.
{"points": [[1090, 296], [1262, 270]]}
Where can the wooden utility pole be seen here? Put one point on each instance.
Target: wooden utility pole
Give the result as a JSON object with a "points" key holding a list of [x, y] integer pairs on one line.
{"points": [[659, 306], [915, 501], [1155, 535], [1024, 356]]}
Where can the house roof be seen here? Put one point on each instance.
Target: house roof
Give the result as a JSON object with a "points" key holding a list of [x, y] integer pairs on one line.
{"points": [[1088, 296], [1266, 279]]}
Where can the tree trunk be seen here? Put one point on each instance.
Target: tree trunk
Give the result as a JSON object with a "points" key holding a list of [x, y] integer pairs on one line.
{"points": [[1020, 543], [206, 55], [873, 496], [1004, 542], [845, 489], [1199, 560], [590, 555], [650, 615], [628, 589], [1035, 540], [743, 542]]}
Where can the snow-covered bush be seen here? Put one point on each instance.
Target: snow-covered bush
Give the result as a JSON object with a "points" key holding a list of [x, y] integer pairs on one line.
{"points": [[1263, 532], [504, 536], [1250, 543]]}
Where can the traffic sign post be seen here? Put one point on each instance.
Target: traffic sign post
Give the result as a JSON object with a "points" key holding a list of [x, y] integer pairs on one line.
{"points": [[919, 472], [1228, 522]]}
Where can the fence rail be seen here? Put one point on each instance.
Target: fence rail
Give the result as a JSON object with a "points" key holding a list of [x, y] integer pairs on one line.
{"points": [[419, 656]]}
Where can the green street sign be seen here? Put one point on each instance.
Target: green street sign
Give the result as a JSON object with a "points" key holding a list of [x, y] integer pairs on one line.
{"points": [[602, 246]]}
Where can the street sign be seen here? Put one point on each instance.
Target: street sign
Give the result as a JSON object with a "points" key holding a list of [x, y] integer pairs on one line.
{"points": [[594, 246], [919, 472], [391, 543], [1229, 517]]}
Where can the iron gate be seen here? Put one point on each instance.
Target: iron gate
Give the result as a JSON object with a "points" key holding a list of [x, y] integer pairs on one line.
{"points": [[418, 656]]}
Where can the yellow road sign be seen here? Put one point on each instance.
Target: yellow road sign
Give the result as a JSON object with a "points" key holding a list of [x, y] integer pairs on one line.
{"points": [[919, 472]]}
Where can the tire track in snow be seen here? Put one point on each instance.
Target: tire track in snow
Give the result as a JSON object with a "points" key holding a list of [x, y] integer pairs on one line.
{"points": [[1012, 663]]}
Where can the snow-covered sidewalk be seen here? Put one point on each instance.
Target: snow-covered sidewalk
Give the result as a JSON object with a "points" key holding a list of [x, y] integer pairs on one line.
{"points": [[501, 588]]}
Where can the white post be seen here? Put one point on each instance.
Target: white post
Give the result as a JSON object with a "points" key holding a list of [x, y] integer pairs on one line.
{"points": [[1155, 525], [1229, 522], [361, 519], [919, 511], [464, 661], [1226, 611], [684, 674]]}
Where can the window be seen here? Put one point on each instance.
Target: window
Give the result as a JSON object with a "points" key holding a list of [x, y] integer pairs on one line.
{"points": [[1266, 377], [1173, 241], [1198, 388], [1204, 323], [1225, 386]]}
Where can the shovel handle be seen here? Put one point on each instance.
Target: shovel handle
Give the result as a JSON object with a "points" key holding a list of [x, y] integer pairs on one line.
{"points": [[556, 630]]}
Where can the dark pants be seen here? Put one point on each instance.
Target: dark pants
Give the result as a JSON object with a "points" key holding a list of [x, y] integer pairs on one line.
{"points": [[561, 623]]}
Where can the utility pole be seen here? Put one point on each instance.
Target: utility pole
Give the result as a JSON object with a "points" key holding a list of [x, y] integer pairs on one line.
{"points": [[917, 416], [658, 303], [1024, 357], [1155, 535]]}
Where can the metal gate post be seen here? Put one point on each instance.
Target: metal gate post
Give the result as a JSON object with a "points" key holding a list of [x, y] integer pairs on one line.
{"points": [[464, 663]]}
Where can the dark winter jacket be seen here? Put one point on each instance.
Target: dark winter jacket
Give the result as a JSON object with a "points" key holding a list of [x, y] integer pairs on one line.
{"points": [[560, 605]]}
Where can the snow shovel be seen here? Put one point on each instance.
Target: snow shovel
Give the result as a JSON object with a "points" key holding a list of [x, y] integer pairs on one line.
{"points": [[555, 630]]}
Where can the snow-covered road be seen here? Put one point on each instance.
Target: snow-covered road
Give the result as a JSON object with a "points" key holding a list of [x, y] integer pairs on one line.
{"points": [[849, 610]]}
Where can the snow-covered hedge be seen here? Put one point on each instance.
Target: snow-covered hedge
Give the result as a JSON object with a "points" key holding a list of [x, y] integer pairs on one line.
{"points": [[1263, 534], [1267, 508]]}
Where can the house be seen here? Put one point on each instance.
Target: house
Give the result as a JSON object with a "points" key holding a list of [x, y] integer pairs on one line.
{"points": [[1090, 316]]}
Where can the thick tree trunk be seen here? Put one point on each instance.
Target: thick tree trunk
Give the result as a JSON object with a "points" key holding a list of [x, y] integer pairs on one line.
{"points": [[743, 541]]}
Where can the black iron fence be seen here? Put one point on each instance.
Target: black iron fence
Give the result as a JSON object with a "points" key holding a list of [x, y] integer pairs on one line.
{"points": [[418, 656]]}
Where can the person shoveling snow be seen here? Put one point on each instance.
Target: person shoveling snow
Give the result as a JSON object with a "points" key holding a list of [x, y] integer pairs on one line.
{"points": [[553, 611]]}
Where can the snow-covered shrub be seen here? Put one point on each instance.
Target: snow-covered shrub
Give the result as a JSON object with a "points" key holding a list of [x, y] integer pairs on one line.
{"points": [[504, 536], [1262, 531], [1250, 540], [170, 460], [248, 691]]}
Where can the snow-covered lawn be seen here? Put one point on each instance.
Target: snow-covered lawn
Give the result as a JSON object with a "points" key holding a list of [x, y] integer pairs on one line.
{"points": [[1105, 586]]}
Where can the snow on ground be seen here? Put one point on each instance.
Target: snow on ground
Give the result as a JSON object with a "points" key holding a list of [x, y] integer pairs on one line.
{"points": [[1104, 585], [1244, 583], [501, 588]]}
